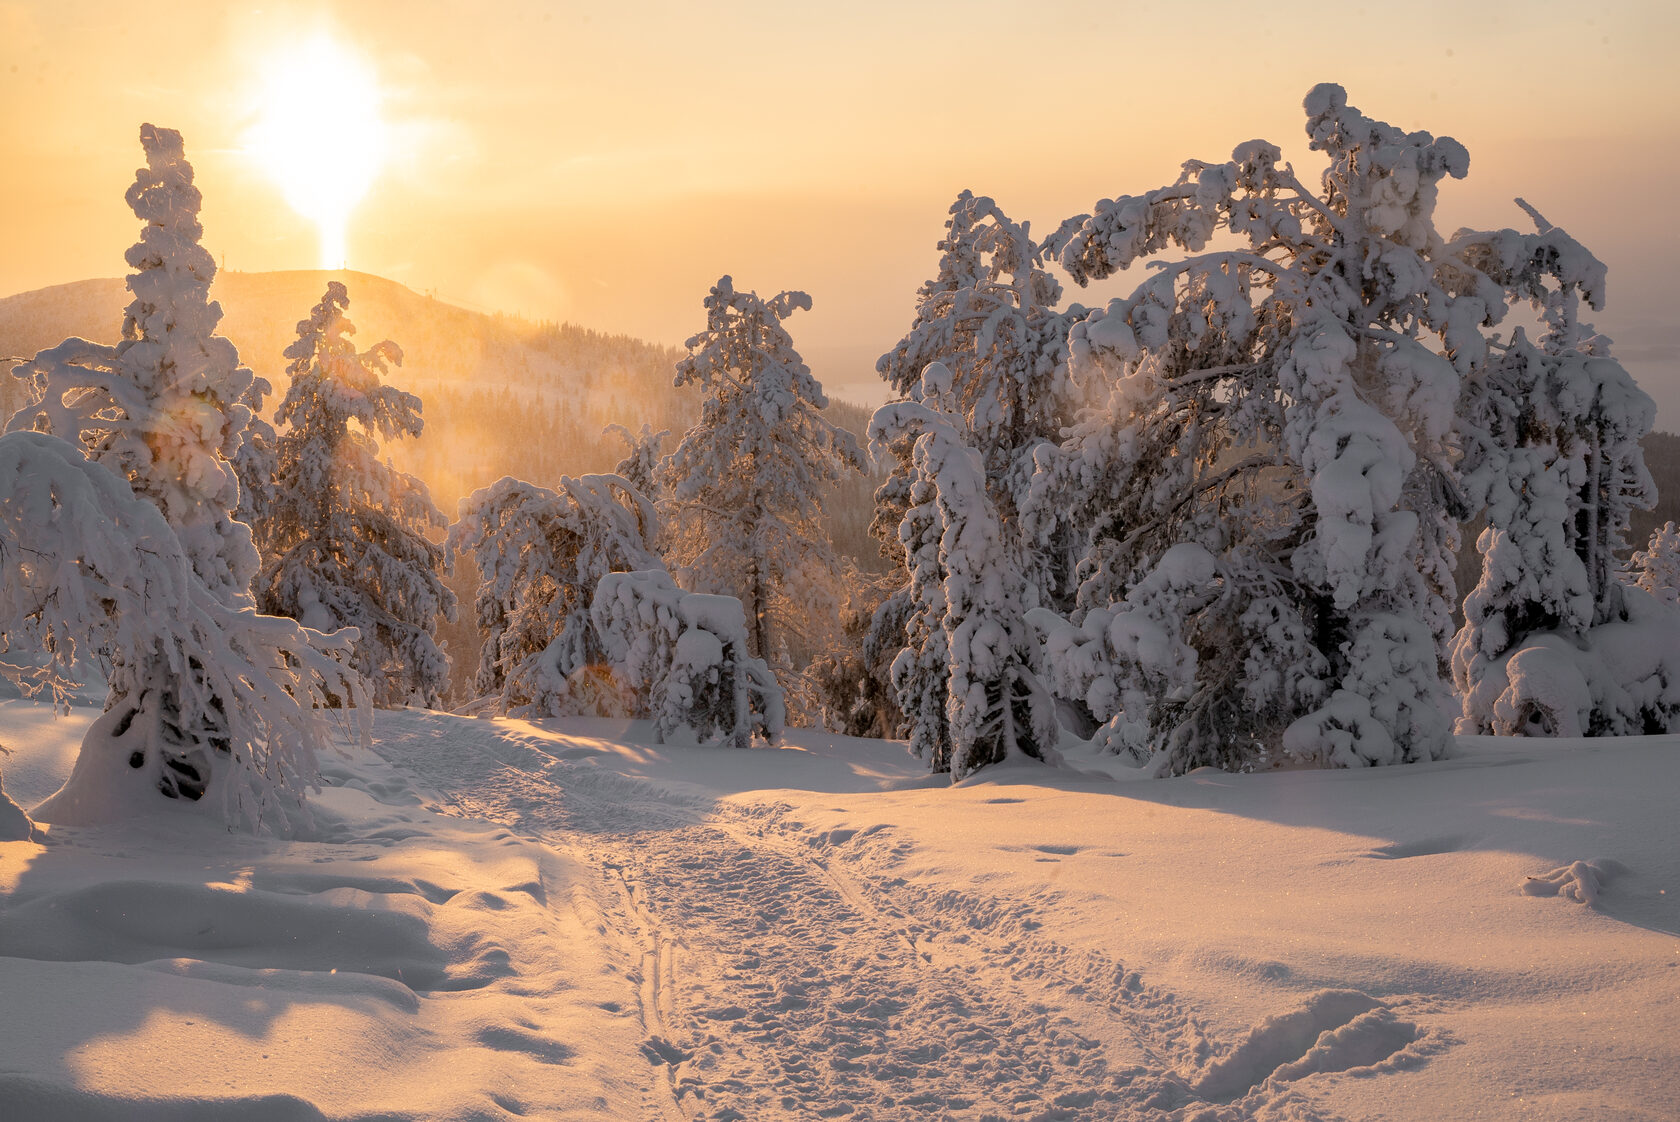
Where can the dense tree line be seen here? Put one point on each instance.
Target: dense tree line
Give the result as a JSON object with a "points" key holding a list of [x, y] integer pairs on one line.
{"points": [[1220, 520]]}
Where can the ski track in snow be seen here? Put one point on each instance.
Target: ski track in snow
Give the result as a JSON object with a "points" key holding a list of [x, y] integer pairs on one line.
{"points": [[785, 973]]}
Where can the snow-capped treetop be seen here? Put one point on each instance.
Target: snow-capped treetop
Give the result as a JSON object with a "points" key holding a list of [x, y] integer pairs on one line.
{"points": [[165, 407], [90, 571]]}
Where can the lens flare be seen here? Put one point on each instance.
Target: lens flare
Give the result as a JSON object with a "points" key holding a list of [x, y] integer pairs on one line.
{"points": [[320, 136]]}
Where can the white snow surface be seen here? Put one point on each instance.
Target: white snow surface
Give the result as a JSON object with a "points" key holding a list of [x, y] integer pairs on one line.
{"points": [[561, 920]]}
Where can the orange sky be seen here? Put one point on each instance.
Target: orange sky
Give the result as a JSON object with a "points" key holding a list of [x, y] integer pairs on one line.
{"points": [[569, 162]]}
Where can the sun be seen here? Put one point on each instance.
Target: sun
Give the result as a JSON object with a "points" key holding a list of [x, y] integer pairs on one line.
{"points": [[320, 136]]}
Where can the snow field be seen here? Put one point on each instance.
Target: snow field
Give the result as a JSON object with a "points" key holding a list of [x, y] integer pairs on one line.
{"points": [[596, 926]]}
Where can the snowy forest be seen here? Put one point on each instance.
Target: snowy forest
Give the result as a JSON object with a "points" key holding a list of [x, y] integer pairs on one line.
{"points": [[1326, 487]]}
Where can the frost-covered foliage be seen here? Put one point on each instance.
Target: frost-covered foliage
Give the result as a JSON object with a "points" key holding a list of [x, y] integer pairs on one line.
{"points": [[1286, 408], [1656, 568], [640, 465], [1551, 436], [217, 703], [345, 541], [964, 680], [748, 482], [257, 462], [168, 407], [682, 658], [540, 555]]}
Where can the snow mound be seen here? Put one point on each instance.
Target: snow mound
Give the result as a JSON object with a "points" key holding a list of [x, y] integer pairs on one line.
{"points": [[1580, 881]]}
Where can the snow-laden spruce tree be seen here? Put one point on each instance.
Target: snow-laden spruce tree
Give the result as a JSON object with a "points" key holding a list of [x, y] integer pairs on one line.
{"points": [[681, 659], [168, 410], [540, 554], [345, 541], [1269, 497], [1554, 642], [747, 482], [964, 680], [90, 574]]}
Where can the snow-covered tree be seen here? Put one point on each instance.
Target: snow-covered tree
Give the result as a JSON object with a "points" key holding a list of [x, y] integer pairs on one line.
{"points": [[964, 681], [1289, 408], [1656, 568], [682, 659], [345, 541], [167, 408], [1553, 641], [642, 454], [540, 555], [218, 702], [988, 317], [747, 482]]}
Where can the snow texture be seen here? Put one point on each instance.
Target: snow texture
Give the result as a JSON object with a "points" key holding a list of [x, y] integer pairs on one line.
{"points": [[563, 919]]}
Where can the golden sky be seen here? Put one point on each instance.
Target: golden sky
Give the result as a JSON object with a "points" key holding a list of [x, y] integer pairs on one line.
{"points": [[605, 164]]}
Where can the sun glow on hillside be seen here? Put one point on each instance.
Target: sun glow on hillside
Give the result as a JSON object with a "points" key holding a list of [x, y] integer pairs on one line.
{"points": [[320, 135]]}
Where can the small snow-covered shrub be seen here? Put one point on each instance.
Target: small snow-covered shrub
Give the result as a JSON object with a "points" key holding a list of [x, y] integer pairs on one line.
{"points": [[1656, 568], [210, 703], [540, 555], [683, 658]]}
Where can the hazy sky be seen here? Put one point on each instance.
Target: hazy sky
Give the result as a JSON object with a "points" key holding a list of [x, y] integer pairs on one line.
{"points": [[606, 164]]}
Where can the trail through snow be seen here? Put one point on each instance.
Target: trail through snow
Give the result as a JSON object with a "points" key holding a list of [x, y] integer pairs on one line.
{"points": [[785, 972]]}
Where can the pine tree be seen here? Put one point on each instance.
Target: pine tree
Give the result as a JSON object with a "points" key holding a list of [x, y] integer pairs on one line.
{"points": [[964, 680], [166, 409], [1553, 641], [747, 482], [540, 555], [346, 541]]}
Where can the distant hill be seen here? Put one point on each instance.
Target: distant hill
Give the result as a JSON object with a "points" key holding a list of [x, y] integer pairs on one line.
{"points": [[502, 395]]}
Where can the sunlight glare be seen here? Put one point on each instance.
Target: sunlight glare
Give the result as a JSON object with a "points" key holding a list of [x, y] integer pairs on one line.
{"points": [[320, 136]]}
